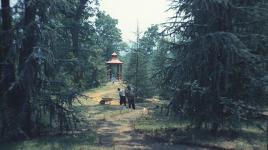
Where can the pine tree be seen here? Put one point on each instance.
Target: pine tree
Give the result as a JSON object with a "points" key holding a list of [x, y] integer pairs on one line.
{"points": [[50, 56], [137, 69], [216, 74]]}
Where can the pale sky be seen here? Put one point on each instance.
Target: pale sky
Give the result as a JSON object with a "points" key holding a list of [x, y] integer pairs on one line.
{"points": [[129, 12]]}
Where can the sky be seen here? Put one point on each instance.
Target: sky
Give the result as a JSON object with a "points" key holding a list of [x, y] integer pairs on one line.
{"points": [[132, 12], [129, 13]]}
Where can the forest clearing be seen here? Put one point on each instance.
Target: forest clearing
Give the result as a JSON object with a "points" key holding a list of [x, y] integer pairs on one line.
{"points": [[104, 127], [134, 74]]}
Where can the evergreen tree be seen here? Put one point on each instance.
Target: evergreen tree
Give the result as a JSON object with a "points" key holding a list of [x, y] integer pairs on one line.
{"points": [[216, 71], [160, 60], [136, 74], [50, 55], [108, 35], [139, 69]]}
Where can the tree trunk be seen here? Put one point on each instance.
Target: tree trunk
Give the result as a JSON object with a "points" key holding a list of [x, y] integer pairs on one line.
{"points": [[6, 27], [75, 30], [29, 33], [75, 38], [7, 76], [29, 42]]}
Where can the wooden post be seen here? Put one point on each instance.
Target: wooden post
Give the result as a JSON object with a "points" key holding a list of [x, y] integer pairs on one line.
{"points": [[117, 71], [120, 72], [109, 72], [266, 133]]}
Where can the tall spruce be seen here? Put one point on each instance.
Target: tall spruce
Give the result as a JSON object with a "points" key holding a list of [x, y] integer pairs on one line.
{"points": [[217, 66], [50, 55], [138, 66]]}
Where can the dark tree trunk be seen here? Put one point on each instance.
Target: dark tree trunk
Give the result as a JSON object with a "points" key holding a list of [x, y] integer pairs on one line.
{"points": [[29, 33], [29, 42], [6, 68], [6, 27], [7, 75], [75, 38], [75, 30]]}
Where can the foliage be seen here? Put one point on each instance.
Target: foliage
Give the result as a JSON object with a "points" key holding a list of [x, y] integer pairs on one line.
{"points": [[50, 55], [150, 39], [141, 57], [215, 72], [160, 60], [137, 74], [109, 36]]}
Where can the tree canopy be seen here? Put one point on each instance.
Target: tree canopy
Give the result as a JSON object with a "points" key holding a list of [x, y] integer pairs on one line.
{"points": [[218, 62], [109, 36], [50, 52]]}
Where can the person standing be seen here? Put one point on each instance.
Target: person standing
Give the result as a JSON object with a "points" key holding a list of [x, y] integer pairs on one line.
{"points": [[130, 97], [122, 97], [113, 79]]}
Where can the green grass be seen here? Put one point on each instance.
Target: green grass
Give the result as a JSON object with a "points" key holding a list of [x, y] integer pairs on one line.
{"points": [[153, 125], [176, 131], [157, 123], [90, 112], [67, 142]]}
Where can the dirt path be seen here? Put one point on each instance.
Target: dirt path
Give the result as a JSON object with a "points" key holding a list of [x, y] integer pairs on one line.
{"points": [[117, 133], [115, 130]]}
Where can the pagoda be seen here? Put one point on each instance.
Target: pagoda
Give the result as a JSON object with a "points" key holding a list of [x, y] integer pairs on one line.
{"points": [[114, 68]]}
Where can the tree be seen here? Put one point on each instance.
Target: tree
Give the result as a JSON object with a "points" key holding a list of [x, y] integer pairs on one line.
{"points": [[7, 65], [150, 39], [140, 75], [108, 35], [149, 44], [215, 74], [160, 60], [45, 45]]}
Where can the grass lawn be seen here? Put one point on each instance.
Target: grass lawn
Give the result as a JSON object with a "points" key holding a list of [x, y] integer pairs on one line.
{"points": [[67, 142], [108, 90], [172, 130]]}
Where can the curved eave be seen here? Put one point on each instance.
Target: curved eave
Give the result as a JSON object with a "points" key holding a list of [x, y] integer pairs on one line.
{"points": [[114, 54], [114, 62]]}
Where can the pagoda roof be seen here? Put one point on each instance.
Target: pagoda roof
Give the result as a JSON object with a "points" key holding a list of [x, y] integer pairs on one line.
{"points": [[114, 60]]}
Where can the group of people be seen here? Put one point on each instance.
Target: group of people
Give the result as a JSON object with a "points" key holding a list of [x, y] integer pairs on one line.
{"points": [[127, 96]]}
